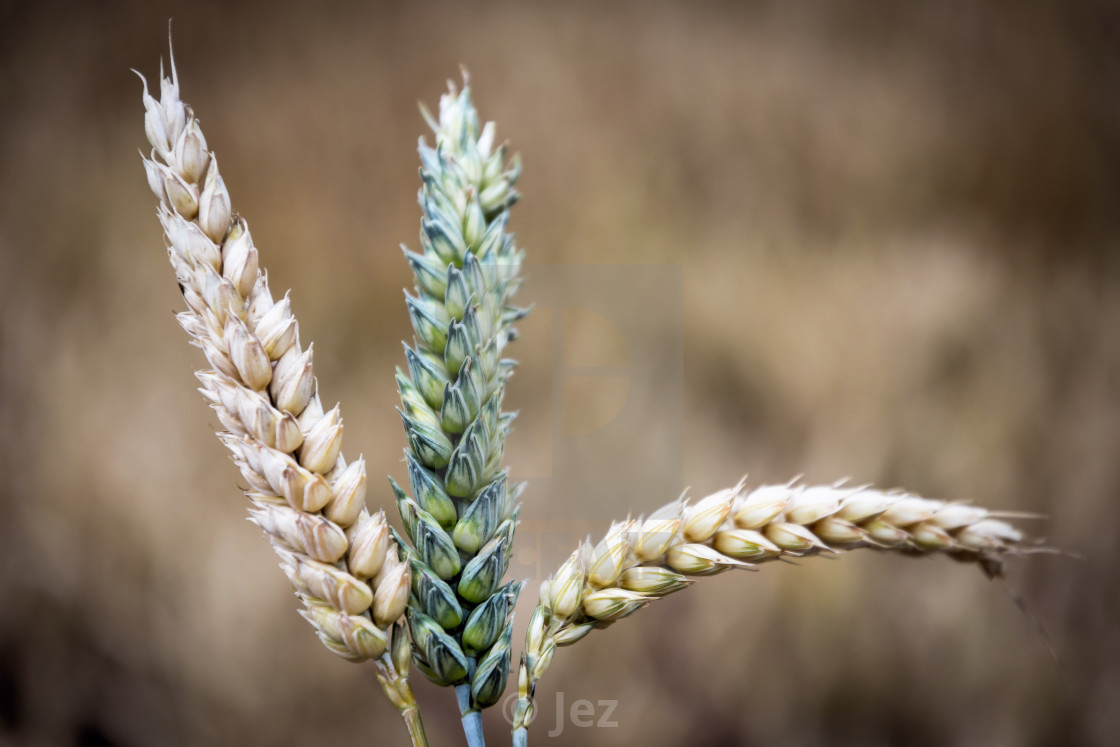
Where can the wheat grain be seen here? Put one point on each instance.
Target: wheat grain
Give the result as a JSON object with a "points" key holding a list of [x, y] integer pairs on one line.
{"points": [[640, 560], [305, 496]]}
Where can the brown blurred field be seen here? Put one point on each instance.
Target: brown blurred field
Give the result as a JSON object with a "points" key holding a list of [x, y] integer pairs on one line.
{"points": [[894, 232]]}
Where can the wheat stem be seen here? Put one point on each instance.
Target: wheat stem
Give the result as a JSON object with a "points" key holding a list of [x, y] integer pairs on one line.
{"points": [[471, 716], [469, 713], [415, 726], [640, 560], [308, 500], [394, 683]]}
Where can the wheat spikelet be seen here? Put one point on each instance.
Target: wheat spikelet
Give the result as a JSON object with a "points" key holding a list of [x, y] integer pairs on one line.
{"points": [[462, 513], [310, 502], [640, 560]]}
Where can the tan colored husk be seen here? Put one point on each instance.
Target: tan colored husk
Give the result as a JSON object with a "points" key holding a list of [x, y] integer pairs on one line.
{"points": [[640, 560], [305, 496]]}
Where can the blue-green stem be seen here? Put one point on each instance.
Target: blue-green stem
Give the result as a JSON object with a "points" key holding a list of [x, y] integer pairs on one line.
{"points": [[472, 718]]}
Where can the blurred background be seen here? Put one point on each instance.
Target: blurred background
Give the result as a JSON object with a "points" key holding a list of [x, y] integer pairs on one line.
{"points": [[863, 239]]}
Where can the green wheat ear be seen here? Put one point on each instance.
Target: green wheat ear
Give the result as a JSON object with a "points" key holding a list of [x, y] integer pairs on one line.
{"points": [[462, 512]]}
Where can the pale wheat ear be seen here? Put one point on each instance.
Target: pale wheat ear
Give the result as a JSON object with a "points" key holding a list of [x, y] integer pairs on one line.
{"points": [[309, 501], [639, 561]]}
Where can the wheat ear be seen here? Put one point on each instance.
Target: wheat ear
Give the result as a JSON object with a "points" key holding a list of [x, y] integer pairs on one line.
{"points": [[462, 513], [640, 560], [309, 501]]}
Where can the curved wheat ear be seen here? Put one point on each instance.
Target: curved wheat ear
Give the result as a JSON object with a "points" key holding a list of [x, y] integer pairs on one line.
{"points": [[310, 502], [462, 513], [640, 560]]}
